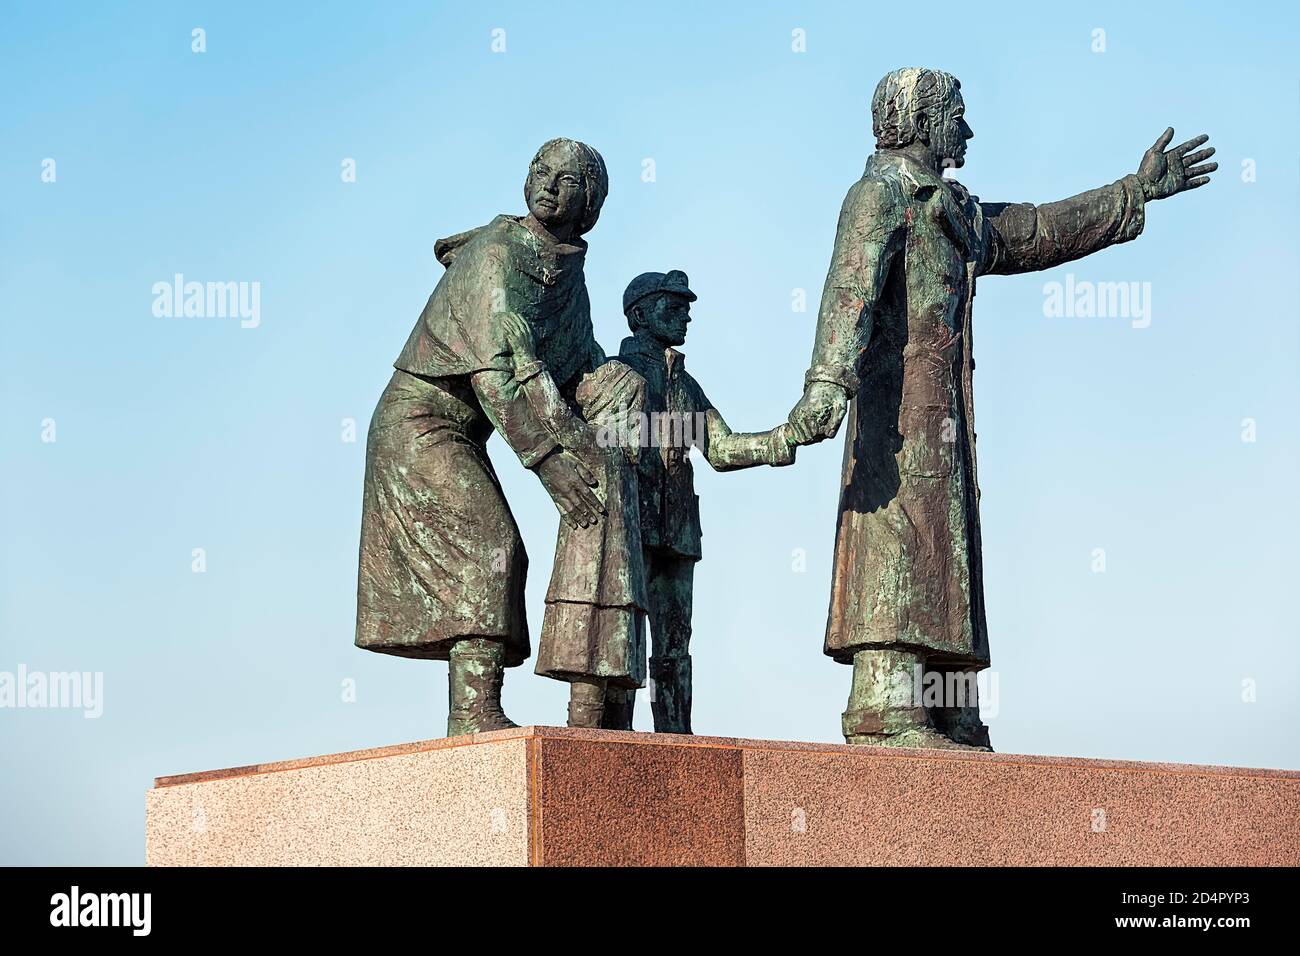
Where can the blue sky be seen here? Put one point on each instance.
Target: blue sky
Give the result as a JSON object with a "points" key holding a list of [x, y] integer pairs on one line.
{"points": [[173, 434]]}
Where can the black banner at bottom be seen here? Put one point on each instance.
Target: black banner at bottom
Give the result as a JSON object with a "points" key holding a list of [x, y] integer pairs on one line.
{"points": [[338, 905]]}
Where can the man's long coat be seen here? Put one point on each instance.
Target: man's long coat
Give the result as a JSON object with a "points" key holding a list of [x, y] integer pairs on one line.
{"points": [[894, 329]]}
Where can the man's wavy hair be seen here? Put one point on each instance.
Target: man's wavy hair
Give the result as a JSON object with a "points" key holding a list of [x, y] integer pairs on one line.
{"points": [[903, 95], [595, 179]]}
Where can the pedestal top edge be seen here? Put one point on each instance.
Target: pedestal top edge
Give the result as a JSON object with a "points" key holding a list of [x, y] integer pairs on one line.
{"points": [[713, 743]]}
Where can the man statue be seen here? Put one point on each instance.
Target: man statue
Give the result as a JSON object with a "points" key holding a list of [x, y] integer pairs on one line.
{"points": [[894, 338]]}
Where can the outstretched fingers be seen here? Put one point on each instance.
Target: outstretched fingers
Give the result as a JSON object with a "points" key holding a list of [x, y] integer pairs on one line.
{"points": [[1192, 143]]}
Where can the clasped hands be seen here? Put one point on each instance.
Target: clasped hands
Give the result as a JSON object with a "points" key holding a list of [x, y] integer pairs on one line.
{"points": [[818, 413]]}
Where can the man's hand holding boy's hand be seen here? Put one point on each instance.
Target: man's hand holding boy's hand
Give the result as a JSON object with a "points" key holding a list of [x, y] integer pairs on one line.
{"points": [[818, 413], [783, 446]]}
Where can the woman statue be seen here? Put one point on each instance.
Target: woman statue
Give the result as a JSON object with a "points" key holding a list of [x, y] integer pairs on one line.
{"points": [[442, 565]]}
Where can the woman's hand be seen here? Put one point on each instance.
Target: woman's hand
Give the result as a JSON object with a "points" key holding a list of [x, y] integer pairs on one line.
{"points": [[569, 483]]}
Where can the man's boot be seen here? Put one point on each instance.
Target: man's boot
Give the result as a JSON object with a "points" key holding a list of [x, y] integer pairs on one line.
{"points": [[671, 698], [960, 721], [619, 704], [476, 668], [586, 703], [883, 707]]}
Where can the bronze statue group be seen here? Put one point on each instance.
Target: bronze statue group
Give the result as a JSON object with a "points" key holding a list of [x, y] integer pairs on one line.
{"points": [[505, 344]]}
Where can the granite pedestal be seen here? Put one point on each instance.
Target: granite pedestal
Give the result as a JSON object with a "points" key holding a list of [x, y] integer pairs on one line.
{"points": [[551, 796]]}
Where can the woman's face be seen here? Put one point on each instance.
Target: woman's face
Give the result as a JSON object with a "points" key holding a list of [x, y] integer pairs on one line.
{"points": [[554, 190]]}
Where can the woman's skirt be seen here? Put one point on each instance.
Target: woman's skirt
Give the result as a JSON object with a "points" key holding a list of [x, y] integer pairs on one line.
{"points": [[441, 555]]}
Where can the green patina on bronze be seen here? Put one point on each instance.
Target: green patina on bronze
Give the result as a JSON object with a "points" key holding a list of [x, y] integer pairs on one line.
{"points": [[894, 339], [505, 344], [680, 417], [442, 565]]}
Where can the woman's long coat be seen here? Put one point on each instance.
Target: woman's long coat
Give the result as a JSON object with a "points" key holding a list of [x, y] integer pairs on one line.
{"points": [[441, 556]]}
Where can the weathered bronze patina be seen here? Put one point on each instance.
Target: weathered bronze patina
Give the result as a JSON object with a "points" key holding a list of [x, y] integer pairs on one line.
{"points": [[505, 343], [679, 417], [894, 338], [442, 566]]}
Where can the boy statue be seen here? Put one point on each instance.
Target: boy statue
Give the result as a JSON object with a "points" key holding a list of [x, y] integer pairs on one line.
{"points": [[680, 417]]}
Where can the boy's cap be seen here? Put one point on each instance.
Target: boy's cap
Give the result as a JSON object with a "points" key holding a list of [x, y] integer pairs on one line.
{"points": [[648, 283]]}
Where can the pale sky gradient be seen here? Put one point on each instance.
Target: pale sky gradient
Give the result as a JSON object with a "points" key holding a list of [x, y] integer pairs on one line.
{"points": [[176, 434]]}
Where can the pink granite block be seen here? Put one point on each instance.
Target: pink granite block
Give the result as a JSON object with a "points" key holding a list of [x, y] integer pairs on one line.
{"points": [[928, 807], [401, 806], [553, 796], [653, 802]]}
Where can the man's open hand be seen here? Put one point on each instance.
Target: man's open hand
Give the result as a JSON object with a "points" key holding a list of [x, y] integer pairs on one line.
{"points": [[1165, 173]]}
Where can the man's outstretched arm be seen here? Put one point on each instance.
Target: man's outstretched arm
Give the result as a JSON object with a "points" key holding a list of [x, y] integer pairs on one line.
{"points": [[1027, 238]]}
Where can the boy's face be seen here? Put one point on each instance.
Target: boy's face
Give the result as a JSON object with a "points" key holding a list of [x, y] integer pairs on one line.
{"points": [[664, 317]]}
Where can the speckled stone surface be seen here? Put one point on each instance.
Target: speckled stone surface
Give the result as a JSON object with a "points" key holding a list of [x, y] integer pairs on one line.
{"points": [[402, 806], [601, 802], [926, 808], [554, 796]]}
